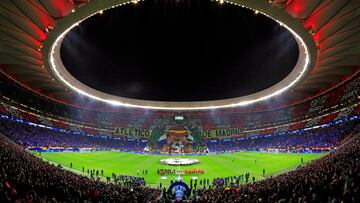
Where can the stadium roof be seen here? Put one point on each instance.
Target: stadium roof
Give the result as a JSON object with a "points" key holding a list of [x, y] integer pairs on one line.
{"points": [[333, 24]]}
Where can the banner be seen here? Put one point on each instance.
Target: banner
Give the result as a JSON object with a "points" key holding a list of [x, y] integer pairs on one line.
{"points": [[214, 133], [132, 132]]}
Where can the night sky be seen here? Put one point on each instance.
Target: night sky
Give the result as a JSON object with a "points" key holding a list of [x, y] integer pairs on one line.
{"points": [[181, 50]]}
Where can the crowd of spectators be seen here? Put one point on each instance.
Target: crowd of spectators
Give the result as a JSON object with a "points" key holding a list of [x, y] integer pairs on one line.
{"points": [[311, 140], [131, 181], [33, 137], [333, 178], [315, 139], [27, 178], [222, 182], [108, 118]]}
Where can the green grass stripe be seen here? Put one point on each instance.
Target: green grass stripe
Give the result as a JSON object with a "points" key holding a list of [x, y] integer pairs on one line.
{"points": [[221, 165]]}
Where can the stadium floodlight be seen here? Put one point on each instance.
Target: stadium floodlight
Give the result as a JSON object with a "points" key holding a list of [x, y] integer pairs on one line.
{"points": [[306, 59]]}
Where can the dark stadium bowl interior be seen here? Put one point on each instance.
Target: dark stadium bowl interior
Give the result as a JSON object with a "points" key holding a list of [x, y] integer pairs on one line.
{"points": [[160, 50]]}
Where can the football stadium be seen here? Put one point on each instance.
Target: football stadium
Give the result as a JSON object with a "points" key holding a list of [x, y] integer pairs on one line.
{"points": [[191, 101]]}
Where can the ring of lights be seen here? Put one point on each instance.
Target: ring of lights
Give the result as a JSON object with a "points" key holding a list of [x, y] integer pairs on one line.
{"points": [[306, 59], [179, 161]]}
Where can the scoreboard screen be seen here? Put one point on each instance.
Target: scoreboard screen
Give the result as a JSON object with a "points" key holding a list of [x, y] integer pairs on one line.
{"points": [[179, 118]]}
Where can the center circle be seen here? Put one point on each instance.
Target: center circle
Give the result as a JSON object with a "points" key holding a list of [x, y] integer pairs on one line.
{"points": [[179, 51], [179, 161]]}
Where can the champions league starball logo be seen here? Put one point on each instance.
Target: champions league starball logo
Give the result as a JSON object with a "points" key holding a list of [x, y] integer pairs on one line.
{"points": [[179, 161], [180, 189]]}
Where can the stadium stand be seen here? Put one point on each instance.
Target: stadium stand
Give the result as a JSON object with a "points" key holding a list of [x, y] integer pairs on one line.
{"points": [[304, 114], [38, 137], [333, 178], [27, 178], [320, 113], [318, 139]]}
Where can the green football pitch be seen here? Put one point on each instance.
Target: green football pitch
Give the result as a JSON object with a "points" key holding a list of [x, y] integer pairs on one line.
{"points": [[219, 165]]}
